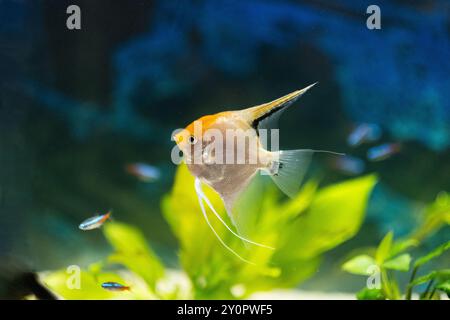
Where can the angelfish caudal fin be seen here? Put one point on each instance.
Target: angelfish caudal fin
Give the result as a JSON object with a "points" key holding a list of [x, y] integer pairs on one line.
{"points": [[290, 167]]}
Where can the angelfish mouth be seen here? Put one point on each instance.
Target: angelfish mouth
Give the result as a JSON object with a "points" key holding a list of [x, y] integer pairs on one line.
{"points": [[177, 137]]}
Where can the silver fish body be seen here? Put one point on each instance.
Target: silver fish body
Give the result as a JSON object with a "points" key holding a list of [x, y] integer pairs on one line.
{"points": [[225, 151], [94, 222]]}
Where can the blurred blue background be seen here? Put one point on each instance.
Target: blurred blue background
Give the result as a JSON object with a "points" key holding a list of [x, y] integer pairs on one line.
{"points": [[77, 105]]}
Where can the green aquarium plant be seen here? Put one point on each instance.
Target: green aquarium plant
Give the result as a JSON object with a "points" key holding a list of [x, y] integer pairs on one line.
{"points": [[301, 230], [381, 263]]}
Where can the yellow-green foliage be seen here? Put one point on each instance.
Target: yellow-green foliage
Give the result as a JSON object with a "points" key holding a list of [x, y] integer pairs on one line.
{"points": [[391, 256], [132, 251], [90, 284], [301, 230]]}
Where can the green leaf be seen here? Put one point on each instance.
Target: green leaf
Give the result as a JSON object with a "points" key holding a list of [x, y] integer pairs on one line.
{"points": [[300, 203], [445, 287], [436, 215], [64, 284], [438, 275], [384, 248], [400, 263], [334, 216], [370, 294], [402, 245], [132, 251], [433, 254], [423, 279], [442, 275], [359, 265]]}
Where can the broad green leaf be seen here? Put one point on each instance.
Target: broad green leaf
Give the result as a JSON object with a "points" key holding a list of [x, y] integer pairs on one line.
{"points": [[442, 275], [384, 248], [96, 267], [436, 215], [292, 273], [359, 265], [433, 254], [400, 263], [300, 203], [370, 294], [132, 251], [254, 208], [125, 238], [334, 216], [441, 206], [65, 285], [402, 245]]}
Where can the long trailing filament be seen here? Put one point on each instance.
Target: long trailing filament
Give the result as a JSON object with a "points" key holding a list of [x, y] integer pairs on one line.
{"points": [[205, 198], [200, 200]]}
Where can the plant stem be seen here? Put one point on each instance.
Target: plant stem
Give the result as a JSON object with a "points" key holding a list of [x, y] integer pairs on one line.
{"points": [[432, 292], [425, 294], [393, 286], [409, 286], [386, 285]]}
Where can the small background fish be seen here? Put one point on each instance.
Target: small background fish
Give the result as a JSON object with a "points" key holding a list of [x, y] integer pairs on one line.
{"points": [[143, 171], [365, 132], [94, 222], [114, 286], [383, 151]]}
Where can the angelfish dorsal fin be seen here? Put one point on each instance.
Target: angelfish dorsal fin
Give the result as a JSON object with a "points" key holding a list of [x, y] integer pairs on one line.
{"points": [[260, 116]]}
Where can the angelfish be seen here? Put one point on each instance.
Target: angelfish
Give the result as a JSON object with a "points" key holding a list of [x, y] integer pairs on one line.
{"points": [[207, 151]]}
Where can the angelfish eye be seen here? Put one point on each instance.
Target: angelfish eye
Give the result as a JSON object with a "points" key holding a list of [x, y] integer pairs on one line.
{"points": [[192, 139]]}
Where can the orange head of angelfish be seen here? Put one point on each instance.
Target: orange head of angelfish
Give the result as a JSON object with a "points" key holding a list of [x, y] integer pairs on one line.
{"points": [[187, 138]]}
